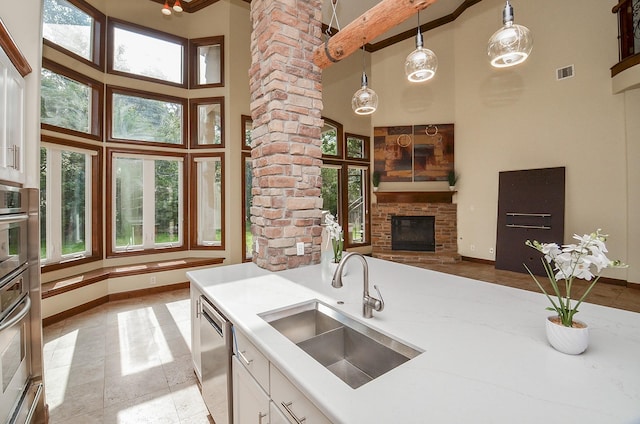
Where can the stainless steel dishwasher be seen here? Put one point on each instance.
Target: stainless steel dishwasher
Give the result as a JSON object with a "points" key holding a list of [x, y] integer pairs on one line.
{"points": [[216, 350]]}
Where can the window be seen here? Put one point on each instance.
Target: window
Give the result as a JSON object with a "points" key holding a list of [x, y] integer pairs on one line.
{"points": [[206, 60], [345, 181], [207, 201], [147, 202], [70, 102], [332, 136], [68, 206], [75, 28], [207, 122], [143, 53], [247, 179], [145, 118]]}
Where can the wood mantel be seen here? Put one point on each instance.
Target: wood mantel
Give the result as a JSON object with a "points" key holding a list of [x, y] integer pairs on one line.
{"points": [[415, 196]]}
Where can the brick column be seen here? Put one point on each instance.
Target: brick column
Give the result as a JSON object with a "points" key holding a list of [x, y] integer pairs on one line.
{"points": [[286, 106]]}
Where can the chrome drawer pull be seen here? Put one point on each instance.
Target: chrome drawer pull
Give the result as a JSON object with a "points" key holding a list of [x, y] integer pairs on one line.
{"points": [[244, 358], [287, 407]]}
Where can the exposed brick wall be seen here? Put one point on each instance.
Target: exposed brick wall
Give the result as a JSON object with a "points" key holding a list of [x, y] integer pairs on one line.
{"points": [[446, 233], [286, 107]]}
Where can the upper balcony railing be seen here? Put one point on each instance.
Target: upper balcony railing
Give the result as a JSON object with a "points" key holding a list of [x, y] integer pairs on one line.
{"points": [[628, 12]]}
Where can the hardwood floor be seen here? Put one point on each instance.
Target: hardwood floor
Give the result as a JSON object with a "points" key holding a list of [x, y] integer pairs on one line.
{"points": [[621, 297]]}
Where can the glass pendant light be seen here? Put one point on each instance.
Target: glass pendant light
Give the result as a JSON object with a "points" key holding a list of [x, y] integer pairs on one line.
{"points": [[421, 64], [511, 44], [365, 100], [177, 6]]}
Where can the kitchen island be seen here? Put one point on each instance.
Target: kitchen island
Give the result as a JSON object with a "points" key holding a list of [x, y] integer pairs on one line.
{"points": [[485, 357]]}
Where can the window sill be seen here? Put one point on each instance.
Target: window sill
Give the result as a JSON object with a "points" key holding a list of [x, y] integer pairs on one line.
{"points": [[91, 277]]}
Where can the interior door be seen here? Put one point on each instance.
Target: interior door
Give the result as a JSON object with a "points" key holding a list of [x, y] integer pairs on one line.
{"points": [[530, 207]]}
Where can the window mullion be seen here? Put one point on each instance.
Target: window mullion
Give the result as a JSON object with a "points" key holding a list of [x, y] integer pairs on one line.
{"points": [[54, 205], [148, 209]]}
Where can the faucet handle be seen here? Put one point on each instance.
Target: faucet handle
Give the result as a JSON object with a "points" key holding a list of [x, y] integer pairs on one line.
{"points": [[379, 303]]}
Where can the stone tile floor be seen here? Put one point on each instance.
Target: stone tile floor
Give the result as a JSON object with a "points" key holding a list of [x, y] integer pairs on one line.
{"points": [[129, 361]]}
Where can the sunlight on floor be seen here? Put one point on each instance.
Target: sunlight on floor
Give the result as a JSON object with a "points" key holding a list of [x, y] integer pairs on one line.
{"points": [[124, 362]]}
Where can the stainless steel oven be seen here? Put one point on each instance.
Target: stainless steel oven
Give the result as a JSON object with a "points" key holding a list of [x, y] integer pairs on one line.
{"points": [[20, 314]]}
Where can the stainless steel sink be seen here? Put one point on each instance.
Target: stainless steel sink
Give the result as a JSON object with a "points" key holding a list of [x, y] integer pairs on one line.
{"points": [[354, 352]]}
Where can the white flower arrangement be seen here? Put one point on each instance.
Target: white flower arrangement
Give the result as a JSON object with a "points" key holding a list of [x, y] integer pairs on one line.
{"points": [[334, 231], [569, 262]]}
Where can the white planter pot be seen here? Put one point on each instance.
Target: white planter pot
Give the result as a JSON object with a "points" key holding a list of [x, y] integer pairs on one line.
{"points": [[570, 340]]}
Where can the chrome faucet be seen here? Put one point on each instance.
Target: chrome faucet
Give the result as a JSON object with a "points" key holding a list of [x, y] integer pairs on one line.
{"points": [[369, 303]]}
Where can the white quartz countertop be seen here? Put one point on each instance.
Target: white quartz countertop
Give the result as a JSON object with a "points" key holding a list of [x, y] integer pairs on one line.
{"points": [[485, 359]]}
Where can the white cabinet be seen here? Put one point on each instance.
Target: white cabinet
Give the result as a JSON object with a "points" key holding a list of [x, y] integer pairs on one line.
{"points": [[195, 331], [250, 402], [294, 405], [262, 394], [12, 122]]}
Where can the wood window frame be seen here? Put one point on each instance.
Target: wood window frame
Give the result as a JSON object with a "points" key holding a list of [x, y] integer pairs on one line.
{"points": [[97, 217], [366, 144], [340, 138], [110, 248], [244, 122], [97, 101], [194, 122], [193, 201], [98, 37], [111, 90], [112, 23], [194, 44]]}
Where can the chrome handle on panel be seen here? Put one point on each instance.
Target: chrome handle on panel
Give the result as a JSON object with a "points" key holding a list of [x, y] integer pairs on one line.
{"points": [[16, 157], [23, 313], [287, 407], [244, 358], [261, 416], [198, 308]]}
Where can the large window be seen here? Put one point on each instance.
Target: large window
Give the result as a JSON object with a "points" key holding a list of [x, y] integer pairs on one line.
{"points": [[345, 181], [147, 202], [69, 208], [70, 102], [140, 52], [75, 28], [144, 117], [207, 201]]}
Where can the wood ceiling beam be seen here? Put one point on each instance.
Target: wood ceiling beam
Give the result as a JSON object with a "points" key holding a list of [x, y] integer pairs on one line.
{"points": [[374, 22]]}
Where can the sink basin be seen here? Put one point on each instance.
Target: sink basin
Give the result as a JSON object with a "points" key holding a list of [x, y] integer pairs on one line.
{"points": [[354, 352]]}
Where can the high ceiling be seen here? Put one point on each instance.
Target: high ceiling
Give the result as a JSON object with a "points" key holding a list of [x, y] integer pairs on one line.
{"points": [[439, 13]]}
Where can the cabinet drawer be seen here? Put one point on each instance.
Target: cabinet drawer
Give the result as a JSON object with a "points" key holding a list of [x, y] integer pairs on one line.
{"points": [[254, 361], [293, 404]]}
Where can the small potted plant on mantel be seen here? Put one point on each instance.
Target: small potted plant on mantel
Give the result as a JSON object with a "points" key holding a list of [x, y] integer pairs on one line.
{"points": [[375, 180], [452, 177]]}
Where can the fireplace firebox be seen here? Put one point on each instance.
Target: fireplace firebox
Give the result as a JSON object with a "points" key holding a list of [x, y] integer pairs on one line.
{"points": [[415, 233]]}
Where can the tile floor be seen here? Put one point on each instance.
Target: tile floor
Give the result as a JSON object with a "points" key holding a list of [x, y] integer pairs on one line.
{"points": [[129, 361]]}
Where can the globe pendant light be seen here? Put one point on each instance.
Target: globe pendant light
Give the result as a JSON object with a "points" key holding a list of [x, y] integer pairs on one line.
{"points": [[365, 100], [421, 64], [511, 44]]}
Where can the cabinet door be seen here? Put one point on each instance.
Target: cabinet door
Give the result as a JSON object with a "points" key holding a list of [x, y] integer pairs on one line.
{"points": [[276, 416], [293, 404], [250, 402], [11, 121], [195, 332]]}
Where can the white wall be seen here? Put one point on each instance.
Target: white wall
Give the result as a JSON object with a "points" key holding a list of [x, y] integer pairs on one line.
{"points": [[522, 118]]}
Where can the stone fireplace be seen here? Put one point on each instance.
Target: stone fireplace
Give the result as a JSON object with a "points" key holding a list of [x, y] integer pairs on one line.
{"points": [[404, 210]]}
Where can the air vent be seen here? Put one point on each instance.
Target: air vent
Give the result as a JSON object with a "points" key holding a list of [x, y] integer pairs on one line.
{"points": [[563, 73]]}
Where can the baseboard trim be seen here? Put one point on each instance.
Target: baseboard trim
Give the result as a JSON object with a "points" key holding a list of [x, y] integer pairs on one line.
{"points": [[109, 298], [478, 260]]}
